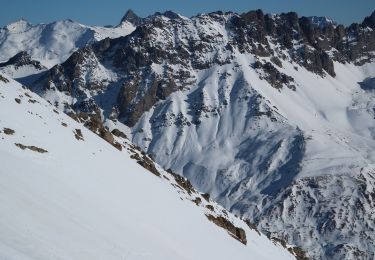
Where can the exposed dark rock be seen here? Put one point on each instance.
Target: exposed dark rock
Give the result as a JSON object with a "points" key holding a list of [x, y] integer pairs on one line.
{"points": [[94, 123], [3, 79], [197, 201], [368, 84], [117, 145], [31, 147], [277, 61], [8, 131], [278, 240], [317, 61], [148, 164], [106, 135], [369, 21], [118, 133], [132, 18], [237, 233], [78, 134], [206, 196], [22, 59], [182, 182], [171, 15], [252, 226], [33, 101], [298, 253], [276, 78]]}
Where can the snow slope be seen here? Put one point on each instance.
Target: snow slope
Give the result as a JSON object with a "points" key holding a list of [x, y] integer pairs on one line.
{"points": [[62, 197]]}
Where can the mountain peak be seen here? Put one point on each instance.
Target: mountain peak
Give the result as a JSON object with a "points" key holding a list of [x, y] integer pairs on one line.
{"points": [[18, 26], [169, 14], [132, 18], [21, 59], [321, 22], [370, 21]]}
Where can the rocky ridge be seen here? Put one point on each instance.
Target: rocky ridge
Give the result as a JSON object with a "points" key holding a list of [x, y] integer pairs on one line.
{"points": [[163, 53]]}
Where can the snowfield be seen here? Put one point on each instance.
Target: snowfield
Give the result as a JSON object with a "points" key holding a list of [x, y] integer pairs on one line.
{"points": [[66, 198]]}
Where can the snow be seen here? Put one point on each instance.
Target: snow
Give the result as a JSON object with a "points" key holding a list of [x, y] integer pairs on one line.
{"points": [[321, 22], [87, 200], [53, 43], [123, 29], [20, 72], [18, 26]]}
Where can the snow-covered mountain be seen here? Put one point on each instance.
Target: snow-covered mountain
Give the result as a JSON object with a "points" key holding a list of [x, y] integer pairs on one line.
{"points": [[53, 43], [321, 22], [22, 66], [272, 115], [68, 194]]}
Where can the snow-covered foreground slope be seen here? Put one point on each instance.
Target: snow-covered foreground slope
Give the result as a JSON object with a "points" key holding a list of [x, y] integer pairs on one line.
{"points": [[53, 43], [65, 193]]}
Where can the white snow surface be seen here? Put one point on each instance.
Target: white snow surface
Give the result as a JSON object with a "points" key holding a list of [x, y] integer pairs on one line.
{"points": [[20, 72], [84, 199]]}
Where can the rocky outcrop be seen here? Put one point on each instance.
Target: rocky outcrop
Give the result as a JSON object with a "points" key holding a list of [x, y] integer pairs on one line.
{"points": [[132, 18], [369, 21], [3, 79], [31, 148], [237, 233], [273, 76], [23, 59], [94, 123], [8, 131]]}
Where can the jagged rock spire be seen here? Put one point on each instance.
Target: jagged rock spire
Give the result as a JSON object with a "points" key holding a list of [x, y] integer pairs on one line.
{"points": [[370, 21], [132, 18]]}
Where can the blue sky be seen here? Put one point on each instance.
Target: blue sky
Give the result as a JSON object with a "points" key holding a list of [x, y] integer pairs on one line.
{"points": [[109, 12]]}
